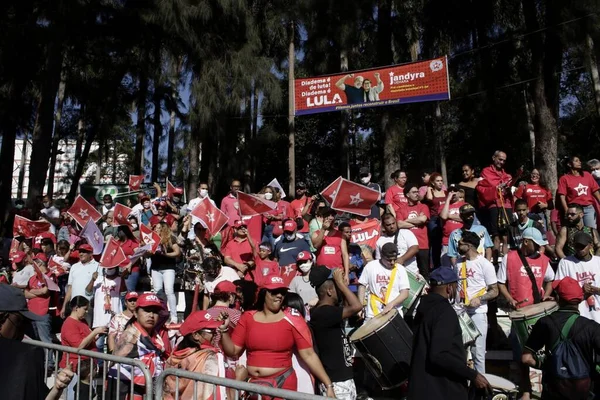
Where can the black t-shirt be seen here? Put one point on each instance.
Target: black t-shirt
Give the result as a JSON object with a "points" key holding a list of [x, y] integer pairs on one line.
{"points": [[21, 371], [331, 342]]}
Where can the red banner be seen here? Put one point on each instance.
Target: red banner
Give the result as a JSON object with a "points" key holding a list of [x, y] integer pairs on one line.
{"points": [[366, 233], [399, 84]]}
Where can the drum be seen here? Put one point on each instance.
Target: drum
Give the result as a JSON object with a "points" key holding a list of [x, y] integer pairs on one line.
{"points": [[416, 288], [385, 343], [502, 389], [524, 318], [470, 333]]}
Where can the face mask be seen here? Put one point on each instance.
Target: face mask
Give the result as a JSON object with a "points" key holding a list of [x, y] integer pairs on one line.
{"points": [[203, 192], [108, 205], [596, 173], [46, 204], [366, 179], [268, 196], [111, 272], [134, 226], [305, 267], [290, 236], [19, 206]]}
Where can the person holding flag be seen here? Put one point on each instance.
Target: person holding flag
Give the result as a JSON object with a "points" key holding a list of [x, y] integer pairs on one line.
{"points": [[332, 249]]}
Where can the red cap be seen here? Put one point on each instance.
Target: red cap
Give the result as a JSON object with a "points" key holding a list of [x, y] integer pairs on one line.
{"points": [[18, 256], [274, 282], [162, 204], [568, 289], [149, 300], [304, 256], [85, 247], [238, 224], [41, 257], [178, 190], [226, 287], [131, 295], [290, 225], [198, 320]]}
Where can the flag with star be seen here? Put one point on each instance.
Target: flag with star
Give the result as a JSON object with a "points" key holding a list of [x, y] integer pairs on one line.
{"points": [[135, 182], [213, 218], [94, 237], [120, 214], [28, 228], [354, 198], [253, 205], [330, 191], [81, 211], [113, 255], [148, 236]]}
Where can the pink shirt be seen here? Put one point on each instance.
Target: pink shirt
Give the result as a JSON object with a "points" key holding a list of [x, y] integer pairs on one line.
{"points": [[229, 205]]}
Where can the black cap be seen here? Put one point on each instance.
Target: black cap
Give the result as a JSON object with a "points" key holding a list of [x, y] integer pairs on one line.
{"points": [[13, 300], [582, 238], [300, 185], [318, 275], [363, 171], [466, 209], [389, 249]]}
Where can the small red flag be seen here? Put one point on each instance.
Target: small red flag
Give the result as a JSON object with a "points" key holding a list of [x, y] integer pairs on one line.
{"points": [[28, 228], [14, 247], [213, 218], [253, 205], [135, 182], [56, 268], [330, 191], [170, 189], [113, 255], [120, 214], [148, 236], [354, 198], [288, 273], [82, 211]]}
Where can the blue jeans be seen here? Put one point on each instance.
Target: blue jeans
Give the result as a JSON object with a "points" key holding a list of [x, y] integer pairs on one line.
{"points": [[43, 329], [132, 281], [589, 216], [434, 230], [268, 235]]}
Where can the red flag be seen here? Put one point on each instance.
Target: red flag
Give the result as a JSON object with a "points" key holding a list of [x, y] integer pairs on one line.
{"points": [[113, 254], [366, 233], [213, 218], [28, 228], [135, 181], [254, 205], [170, 189], [288, 273], [148, 236], [120, 214], [354, 198], [330, 191], [55, 267], [14, 247], [81, 211]]}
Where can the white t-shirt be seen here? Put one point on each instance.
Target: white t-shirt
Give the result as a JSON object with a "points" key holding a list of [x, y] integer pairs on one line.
{"points": [[375, 277], [22, 277], [548, 276], [480, 274], [583, 272], [79, 277], [226, 274], [103, 286], [51, 212], [406, 239]]}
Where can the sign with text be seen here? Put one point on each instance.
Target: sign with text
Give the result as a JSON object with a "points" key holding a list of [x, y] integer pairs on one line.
{"points": [[399, 84]]}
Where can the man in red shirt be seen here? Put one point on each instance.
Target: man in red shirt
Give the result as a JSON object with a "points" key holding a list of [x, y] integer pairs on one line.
{"points": [[229, 204], [450, 214], [394, 195], [414, 217], [38, 299], [238, 252], [302, 205], [495, 199], [332, 250]]}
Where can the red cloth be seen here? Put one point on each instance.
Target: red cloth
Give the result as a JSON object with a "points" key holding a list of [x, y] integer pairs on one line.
{"points": [[487, 191], [532, 194], [255, 226], [269, 345], [436, 205], [450, 225], [297, 207], [330, 253], [156, 219], [284, 210], [128, 247], [395, 196], [264, 268], [38, 305], [71, 335], [578, 189], [421, 231], [239, 251], [518, 281], [229, 205], [37, 241]]}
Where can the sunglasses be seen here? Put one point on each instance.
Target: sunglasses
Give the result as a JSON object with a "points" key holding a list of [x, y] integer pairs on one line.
{"points": [[131, 300], [275, 292]]}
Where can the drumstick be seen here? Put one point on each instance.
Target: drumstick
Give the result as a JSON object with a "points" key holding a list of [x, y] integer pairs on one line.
{"points": [[521, 302]]}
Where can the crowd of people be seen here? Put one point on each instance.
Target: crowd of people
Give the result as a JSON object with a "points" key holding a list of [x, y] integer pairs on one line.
{"points": [[271, 296]]}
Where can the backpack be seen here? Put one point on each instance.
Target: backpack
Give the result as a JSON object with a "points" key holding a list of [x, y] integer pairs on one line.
{"points": [[564, 360]]}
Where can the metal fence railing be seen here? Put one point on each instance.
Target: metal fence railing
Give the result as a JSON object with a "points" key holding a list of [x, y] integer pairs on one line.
{"points": [[89, 366], [216, 382]]}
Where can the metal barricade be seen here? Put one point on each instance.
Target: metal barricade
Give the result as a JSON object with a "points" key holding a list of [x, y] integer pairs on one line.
{"points": [[226, 383], [53, 350]]}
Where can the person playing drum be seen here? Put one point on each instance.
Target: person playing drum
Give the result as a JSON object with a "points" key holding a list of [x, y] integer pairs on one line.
{"points": [[516, 284], [387, 282], [478, 285]]}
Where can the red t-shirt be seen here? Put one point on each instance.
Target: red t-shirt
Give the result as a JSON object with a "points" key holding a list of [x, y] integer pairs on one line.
{"points": [[413, 212], [156, 219], [395, 196], [578, 189], [239, 251], [38, 305], [330, 252], [451, 225], [71, 335], [268, 345], [128, 248], [533, 194], [297, 207]]}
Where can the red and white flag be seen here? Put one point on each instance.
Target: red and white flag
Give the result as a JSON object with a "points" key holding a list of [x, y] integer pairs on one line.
{"points": [[113, 255], [28, 228], [55, 267], [14, 247], [170, 188], [81, 211], [253, 205], [213, 218], [354, 198], [330, 191], [135, 182], [366, 233], [120, 214], [148, 236]]}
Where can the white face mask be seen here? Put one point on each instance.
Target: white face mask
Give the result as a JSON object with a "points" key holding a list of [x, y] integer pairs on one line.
{"points": [[203, 192], [366, 179], [305, 267], [596, 173], [290, 236], [268, 196]]}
